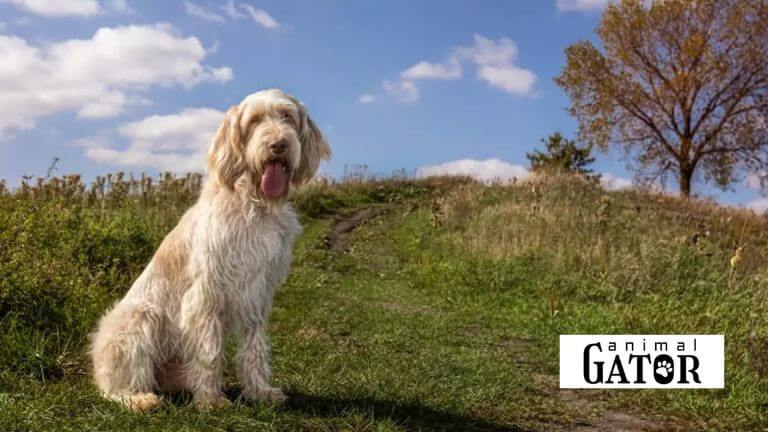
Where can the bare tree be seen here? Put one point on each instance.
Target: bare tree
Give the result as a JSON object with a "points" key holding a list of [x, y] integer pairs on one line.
{"points": [[680, 85]]}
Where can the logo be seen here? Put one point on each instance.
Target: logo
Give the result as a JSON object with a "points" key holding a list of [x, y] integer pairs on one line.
{"points": [[642, 361]]}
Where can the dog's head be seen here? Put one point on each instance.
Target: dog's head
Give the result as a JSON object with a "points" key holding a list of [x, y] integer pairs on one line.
{"points": [[269, 137]]}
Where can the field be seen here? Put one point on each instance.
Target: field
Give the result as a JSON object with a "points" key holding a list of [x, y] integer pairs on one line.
{"points": [[433, 305]]}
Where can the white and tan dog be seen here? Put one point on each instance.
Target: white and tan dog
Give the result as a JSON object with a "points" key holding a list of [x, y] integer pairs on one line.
{"points": [[217, 271]]}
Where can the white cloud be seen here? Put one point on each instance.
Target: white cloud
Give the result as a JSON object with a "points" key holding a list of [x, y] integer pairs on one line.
{"points": [[510, 78], [581, 5], [489, 52], [85, 75], [53, 8], [366, 98], [759, 205], [172, 162], [425, 70], [198, 11], [231, 10], [404, 91], [488, 171], [610, 182], [174, 142], [260, 17], [494, 62], [498, 171]]}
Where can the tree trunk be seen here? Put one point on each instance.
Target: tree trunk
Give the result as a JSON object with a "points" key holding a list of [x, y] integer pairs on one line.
{"points": [[686, 174]]}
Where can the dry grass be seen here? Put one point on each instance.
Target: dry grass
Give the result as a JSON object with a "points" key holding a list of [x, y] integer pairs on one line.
{"points": [[586, 229]]}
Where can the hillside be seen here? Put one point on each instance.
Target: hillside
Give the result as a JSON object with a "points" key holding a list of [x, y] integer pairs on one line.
{"points": [[432, 305]]}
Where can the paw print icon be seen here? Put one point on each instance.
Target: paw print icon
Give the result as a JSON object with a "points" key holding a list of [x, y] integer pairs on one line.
{"points": [[663, 369]]}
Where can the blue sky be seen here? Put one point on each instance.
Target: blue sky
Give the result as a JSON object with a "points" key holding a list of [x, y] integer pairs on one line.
{"points": [[140, 86]]}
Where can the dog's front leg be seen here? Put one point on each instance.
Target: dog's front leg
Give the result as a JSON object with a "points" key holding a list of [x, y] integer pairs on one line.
{"points": [[253, 362], [203, 334]]}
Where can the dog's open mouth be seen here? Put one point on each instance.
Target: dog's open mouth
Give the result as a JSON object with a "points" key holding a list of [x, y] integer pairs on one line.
{"points": [[274, 179]]}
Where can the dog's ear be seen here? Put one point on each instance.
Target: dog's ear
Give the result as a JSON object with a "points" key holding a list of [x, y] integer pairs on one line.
{"points": [[226, 158], [314, 148]]}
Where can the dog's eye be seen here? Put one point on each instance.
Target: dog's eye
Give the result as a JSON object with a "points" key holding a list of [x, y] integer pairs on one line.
{"points": [[288, 118], [256, 118]]}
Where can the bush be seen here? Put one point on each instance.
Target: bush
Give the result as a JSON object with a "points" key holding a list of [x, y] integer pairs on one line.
{"points": [[64, 260], [68, 251]]}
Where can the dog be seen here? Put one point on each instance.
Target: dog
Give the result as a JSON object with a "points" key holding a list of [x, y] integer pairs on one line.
{"points": [[216, 272]]}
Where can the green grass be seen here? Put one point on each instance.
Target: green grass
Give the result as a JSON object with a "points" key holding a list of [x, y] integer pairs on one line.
{"points": [[417, 327]]}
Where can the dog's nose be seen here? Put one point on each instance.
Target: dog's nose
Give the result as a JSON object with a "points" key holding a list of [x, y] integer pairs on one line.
{"points": [[277, 147]]}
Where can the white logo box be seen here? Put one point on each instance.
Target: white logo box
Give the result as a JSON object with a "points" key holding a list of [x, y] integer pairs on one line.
{"points": [[642, 361]]}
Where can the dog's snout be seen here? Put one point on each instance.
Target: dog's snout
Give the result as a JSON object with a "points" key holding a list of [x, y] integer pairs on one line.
{"points": [[277, 147]]}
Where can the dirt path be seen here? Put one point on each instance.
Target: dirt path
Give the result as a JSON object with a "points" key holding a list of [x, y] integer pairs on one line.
{"points": [[590, 413], [337, 239], [594, 418]]}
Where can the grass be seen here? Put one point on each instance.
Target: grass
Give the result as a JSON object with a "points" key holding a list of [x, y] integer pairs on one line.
{"points": [[443, 315]]}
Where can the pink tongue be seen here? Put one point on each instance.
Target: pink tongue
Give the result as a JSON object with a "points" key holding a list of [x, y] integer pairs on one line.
{"points": [[273, 181]]}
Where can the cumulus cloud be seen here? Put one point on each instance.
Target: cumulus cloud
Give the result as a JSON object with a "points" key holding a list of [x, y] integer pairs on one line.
{"points": [[173, 142], [495, 64], [581, 5], [487, 171], [198, 11], [493, 60], [52, 8], [510, 79], [85, 75], [611, 182], [366, 98]]}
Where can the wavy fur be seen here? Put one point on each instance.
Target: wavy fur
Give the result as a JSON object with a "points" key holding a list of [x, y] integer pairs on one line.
{"points": [[216, 272]]}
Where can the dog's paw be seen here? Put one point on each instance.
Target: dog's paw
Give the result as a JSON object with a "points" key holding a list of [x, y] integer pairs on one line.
{"points": [[271, 395], [207, 404], [139, 402]]}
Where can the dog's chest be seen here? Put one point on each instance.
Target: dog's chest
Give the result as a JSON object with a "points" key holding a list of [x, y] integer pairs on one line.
{"points": [[260, 245]]}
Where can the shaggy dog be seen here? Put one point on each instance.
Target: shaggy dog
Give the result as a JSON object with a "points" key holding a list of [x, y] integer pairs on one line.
{"points": [[217, 270]]}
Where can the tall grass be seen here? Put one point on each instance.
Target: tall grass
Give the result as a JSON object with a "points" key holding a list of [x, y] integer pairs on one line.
{"points": [[661, 264]]}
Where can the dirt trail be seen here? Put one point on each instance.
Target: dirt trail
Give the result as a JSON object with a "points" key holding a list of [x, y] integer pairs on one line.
{"points": [[593, 418], [337, 239]]}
